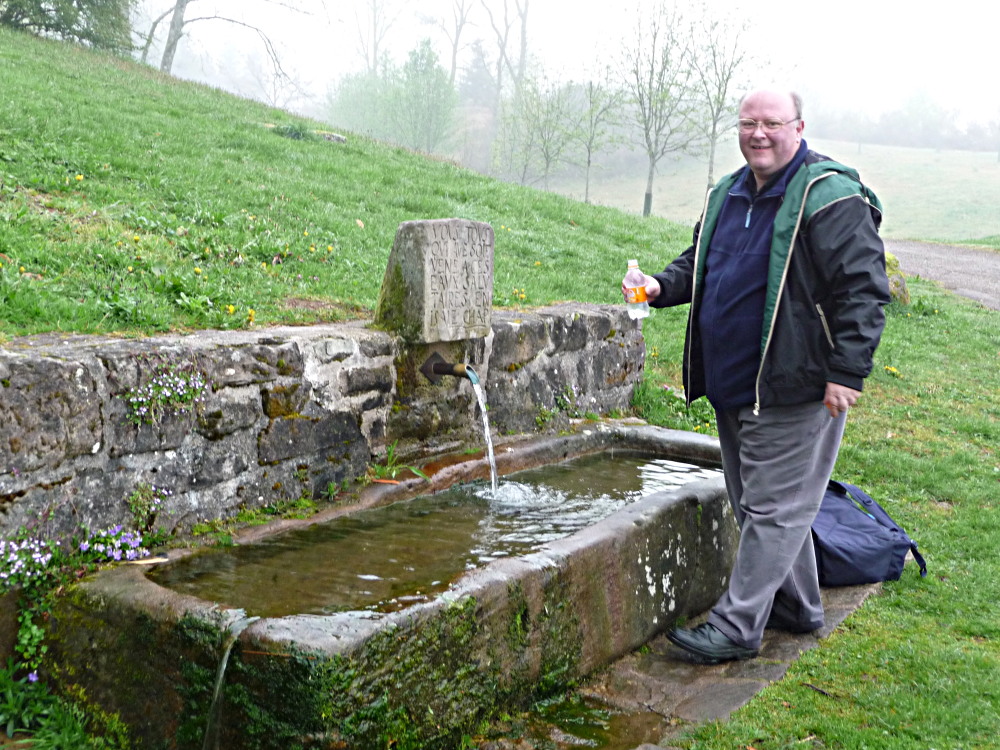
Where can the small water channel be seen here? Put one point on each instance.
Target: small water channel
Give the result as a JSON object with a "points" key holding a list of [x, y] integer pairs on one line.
{"points": [[386, 559]]}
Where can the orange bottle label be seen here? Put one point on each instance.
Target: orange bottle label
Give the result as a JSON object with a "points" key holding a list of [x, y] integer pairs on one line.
{"points": [[636, 294]]}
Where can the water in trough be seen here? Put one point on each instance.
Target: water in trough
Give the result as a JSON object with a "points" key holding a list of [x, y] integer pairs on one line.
{"points": [[386, 559]]}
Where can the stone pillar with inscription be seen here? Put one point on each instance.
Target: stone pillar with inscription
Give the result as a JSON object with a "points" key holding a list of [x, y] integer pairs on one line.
{"points": [[438, 285], [437, 296]]}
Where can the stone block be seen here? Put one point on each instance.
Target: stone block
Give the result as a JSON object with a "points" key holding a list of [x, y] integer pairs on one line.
{"points": [[223, 459], [517, 341], [126, 438], [567, 332], [303, 436], [284, 399], [229, 410], [898, 289], [50, 412], [438, 284], [365, 379], [378, 345], [244, 364], [334, 396]]}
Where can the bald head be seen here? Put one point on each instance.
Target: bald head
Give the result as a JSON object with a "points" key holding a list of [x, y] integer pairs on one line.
{"points": [[777, 125], [793, 96]]}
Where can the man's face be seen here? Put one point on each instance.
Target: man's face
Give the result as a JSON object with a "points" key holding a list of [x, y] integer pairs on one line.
{"points": [[767, 153]]}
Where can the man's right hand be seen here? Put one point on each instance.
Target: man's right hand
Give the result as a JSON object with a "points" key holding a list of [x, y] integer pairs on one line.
{"points": [[652, 289]]}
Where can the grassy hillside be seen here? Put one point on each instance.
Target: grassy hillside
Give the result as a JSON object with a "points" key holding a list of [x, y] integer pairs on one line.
{"points": [[132, 201]]}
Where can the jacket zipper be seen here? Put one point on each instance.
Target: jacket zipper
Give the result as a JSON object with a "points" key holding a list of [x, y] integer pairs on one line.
{"points": [[694, 293], [826, 325], [781, 288]]}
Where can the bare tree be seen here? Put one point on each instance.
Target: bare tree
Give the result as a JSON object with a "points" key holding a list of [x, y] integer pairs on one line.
{"points": [[536, 130], [177, 12], [374, 23], [552, 118], [501, 32], [717, 60], [600, 104], [506, 63], [513, 148], [273, 85], [657, 77], [522, 58], [173, 34], [453, 30]]}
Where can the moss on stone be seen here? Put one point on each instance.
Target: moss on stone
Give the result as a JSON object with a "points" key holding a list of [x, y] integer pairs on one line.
{"points": [[281, 401], [364, 700], [390, 311]]}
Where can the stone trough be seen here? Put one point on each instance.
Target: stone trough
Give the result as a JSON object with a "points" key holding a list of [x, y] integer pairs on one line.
{"points": [[502, 634], [303, 412]]}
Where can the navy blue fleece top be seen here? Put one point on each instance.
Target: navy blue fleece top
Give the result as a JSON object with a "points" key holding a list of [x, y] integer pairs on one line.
{"points": [[731, 315]]}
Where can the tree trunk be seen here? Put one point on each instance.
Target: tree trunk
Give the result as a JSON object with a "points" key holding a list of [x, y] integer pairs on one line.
{"points": [[173, 36], [522, 62], [647, 204]]}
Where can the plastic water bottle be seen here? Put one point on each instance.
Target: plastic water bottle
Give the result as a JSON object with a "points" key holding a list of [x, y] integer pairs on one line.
{"points": [[635, 291]]}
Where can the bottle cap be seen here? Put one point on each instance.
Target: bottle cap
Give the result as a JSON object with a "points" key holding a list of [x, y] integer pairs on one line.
{"points": [[633, 263]]}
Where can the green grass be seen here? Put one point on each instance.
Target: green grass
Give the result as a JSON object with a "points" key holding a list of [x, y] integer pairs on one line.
{"points": [[178, 177]]}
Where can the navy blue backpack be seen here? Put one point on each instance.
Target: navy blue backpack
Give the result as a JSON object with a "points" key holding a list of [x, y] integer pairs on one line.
{"points": [[856, 541]]}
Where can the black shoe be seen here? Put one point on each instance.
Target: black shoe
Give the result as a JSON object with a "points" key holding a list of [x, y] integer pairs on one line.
{"points": [[709, 645], [776, 623]]}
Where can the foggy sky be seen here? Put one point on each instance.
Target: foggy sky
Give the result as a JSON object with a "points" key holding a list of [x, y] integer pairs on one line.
{"points": [[861, 55]]}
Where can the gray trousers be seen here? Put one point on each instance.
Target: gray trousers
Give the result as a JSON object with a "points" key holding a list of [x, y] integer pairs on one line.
{"points": [[776, 466]]}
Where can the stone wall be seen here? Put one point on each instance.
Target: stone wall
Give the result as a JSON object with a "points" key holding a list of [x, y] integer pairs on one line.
{"points": [[288, 411], [562, 361]]}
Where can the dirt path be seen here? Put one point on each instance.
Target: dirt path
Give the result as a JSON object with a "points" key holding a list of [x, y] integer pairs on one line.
{"points": [[964, 270]]}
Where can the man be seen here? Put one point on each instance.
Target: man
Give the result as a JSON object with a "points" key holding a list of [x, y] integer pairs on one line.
{"points": [[786, 281]]}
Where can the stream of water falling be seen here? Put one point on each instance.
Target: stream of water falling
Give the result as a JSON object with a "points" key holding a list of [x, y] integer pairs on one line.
{"points": [[481, 397], [214, 710]]}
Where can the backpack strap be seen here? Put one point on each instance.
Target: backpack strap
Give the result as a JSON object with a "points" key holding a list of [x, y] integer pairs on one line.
{"points": [[919, 558]]}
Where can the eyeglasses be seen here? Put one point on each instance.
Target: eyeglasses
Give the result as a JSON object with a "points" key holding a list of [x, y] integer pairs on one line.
{"points": [[768, 126]]}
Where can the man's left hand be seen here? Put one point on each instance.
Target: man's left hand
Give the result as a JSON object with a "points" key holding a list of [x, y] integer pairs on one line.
{"points": [[839, 398]]}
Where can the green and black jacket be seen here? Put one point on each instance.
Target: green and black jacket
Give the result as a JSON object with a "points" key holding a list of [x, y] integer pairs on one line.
{"points": [[826, 286]]}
